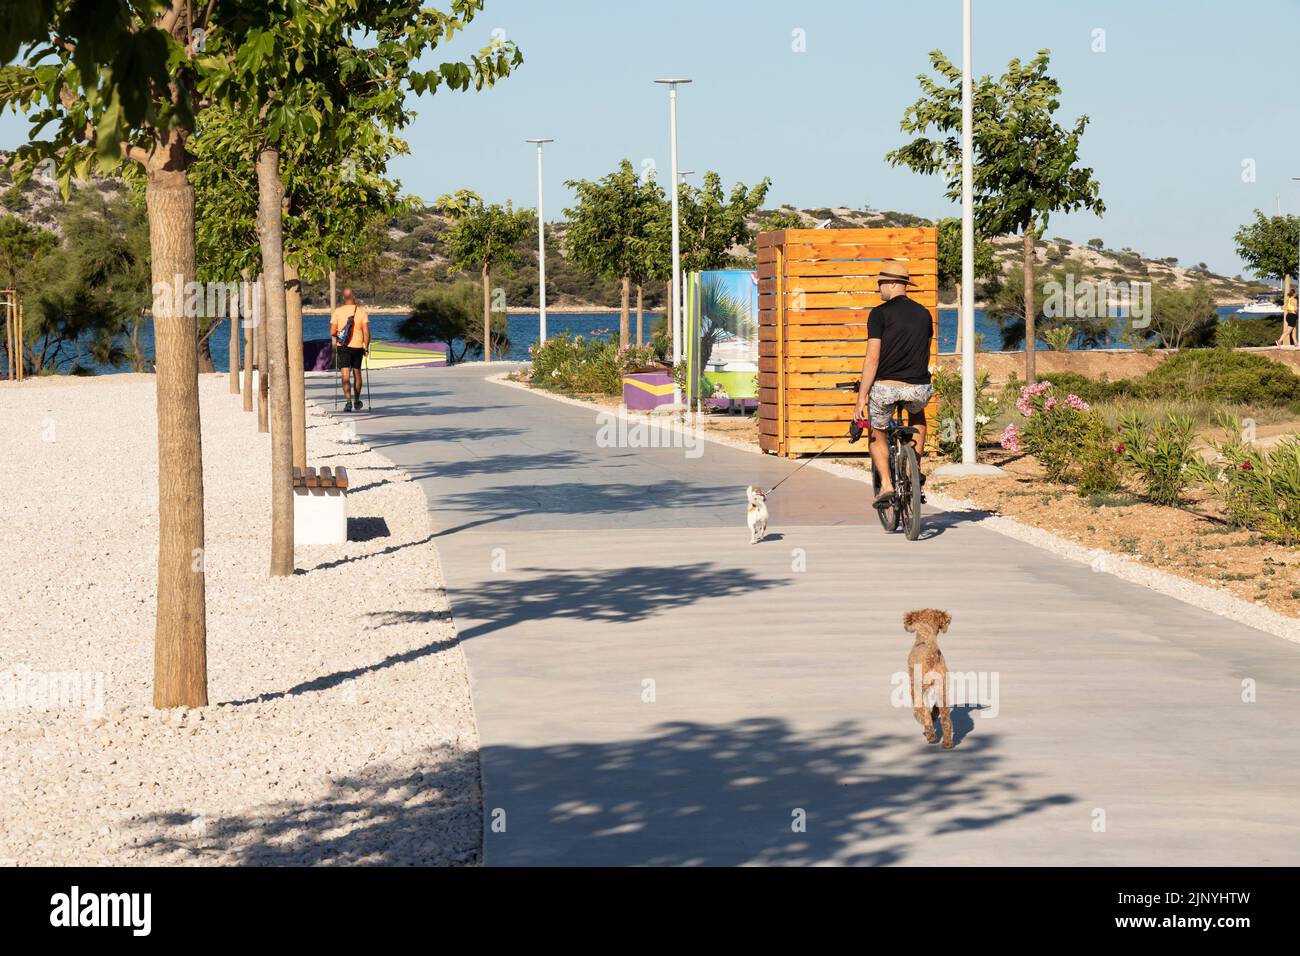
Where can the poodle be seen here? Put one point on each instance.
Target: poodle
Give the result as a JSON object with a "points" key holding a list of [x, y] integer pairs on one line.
{"points": [[928, 671]]}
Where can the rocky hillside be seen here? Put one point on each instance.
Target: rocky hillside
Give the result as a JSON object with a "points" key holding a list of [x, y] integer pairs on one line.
{"points": [[409, 255]]}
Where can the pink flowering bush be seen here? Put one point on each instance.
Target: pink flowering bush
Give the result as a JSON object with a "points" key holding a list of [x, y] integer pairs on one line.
{"points": [[1068, 438]]}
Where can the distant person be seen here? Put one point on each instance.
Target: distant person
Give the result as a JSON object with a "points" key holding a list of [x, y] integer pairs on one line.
{"points": [[895, 369], [350, 333], [1289, 322]]}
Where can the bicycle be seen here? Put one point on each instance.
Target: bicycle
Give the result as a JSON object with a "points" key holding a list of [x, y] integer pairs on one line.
{"points": [[904, 511]]}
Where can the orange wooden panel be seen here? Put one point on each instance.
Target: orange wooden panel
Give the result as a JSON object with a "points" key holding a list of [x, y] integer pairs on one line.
{"points": [[855, 348], [896, 235], [813, 249], [845, 363], [868, 267]]}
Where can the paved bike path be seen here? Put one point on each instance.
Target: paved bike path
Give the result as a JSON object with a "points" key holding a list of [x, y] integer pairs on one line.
{"points": [[651, 689]]}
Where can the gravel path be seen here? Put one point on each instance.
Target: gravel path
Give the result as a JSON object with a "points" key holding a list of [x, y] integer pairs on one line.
{"points": [[341, 729]]}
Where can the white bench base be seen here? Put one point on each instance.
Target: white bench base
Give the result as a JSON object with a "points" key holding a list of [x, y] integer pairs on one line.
{"points": [[320, 516]]}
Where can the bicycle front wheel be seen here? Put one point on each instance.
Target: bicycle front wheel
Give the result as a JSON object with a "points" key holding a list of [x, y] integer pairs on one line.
{"points": [[907, 488]]}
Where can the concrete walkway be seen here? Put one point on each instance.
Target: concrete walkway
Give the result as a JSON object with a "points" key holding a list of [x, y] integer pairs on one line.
{"points": [[651, 689]]}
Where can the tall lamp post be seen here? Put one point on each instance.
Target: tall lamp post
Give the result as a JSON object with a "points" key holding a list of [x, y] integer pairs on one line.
{"points": [[968, 465], [967, 246], [672, 85], [1297, 275], [541, 240]]}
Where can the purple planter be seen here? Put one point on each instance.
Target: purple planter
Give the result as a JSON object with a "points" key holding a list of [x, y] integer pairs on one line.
{"points": [[317, 355], [643, 391]]}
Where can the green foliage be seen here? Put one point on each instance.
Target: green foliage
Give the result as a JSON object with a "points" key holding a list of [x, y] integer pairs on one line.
{"points": [[1224, 377], [1162, 454], [779, 219], [1006, 308], [1255, 331], [712, 222], [1058, 339], [1259, 490], [1058, 429], [986, 263], [447, 313], [1101, 471], [482, 235], [1026, 164], [1183, 318], [571, 363], [1269, 245], [947, 387], [616, 226]]}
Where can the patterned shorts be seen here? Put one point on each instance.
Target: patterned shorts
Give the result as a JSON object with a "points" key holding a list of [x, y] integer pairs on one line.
{"points": [[884, 397]]}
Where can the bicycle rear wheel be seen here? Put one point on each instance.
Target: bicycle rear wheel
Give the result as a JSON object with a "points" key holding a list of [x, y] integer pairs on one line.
{"points": [[889, 515], [907, 491]]}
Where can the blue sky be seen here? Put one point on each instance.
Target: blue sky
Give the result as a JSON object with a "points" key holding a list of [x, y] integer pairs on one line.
{"points": [[1185, 91]]}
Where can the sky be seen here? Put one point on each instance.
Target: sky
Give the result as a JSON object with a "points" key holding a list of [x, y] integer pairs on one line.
{"points": [[1195, 116]]}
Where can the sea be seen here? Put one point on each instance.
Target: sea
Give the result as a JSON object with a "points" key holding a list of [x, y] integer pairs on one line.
{"points": [[523, 329]]}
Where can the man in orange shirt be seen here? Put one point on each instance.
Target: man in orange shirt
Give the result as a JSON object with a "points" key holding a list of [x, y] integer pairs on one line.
{"points": [[350, 333]]}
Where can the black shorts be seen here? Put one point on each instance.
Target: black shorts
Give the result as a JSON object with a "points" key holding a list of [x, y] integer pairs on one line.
{"points": [[1291, 319], [349, 357]]}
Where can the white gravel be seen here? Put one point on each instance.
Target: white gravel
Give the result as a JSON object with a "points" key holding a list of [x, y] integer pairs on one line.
{"points": [[341, 728]]}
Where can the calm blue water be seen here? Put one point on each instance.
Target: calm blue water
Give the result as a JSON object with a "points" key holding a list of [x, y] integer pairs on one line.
{"points": [[523, 330]]}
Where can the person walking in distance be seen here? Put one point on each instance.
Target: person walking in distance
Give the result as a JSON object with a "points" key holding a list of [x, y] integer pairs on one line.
{"points": [[350, 332]]}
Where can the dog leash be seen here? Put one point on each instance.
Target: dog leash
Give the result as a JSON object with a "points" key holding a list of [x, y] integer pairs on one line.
{"points": [[802, 465]]}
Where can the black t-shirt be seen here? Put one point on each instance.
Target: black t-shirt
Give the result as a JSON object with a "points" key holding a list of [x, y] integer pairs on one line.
{"points": [[903, 327]]}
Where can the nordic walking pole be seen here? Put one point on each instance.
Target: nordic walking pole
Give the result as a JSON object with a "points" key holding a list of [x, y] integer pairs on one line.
{"points": [[369, 402], [334, 352]]}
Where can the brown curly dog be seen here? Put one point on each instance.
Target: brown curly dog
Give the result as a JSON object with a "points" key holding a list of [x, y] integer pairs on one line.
{"points": [[928, 671]]}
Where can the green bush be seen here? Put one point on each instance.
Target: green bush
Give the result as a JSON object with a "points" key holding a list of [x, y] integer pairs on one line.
{"points": [[570, 363], [1259, 490], [1091, 390], [1100, 461], [1254, 332], [1058, 429], [1219, 375], [947, 387], [1161, 454]]}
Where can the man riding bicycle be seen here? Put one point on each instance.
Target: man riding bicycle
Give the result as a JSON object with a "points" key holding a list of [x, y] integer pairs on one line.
{"points": [[895, 369]]}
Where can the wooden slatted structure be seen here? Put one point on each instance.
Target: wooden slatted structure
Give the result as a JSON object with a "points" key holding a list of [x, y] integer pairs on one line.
{"points": [[815, 288], [309, 478]]}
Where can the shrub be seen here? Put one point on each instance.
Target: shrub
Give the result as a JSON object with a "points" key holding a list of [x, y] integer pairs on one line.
{"points": [[1057, 431], [1259, 491], [1091, 390], [947, 386], [1258, 331], [1101, 461], [1161, 454], [573, 364], [1219, 375]]}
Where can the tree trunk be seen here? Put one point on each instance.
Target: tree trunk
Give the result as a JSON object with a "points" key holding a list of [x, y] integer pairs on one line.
{"points": [[263, 379], [270, 198], [640, 307], [487, 313], [1030, 332], [668, 313], [624, 313], [137, 357], [297, 375], [180, 675], [250, 345], [205, 354], [232, 347]]}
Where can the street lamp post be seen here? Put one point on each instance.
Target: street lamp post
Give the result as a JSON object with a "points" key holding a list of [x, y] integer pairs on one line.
{"points": [[672, 85], [541, 241], [967, 317], [1297, 275]]}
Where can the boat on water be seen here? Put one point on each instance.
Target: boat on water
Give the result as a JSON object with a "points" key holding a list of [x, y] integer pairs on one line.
{"points": [[1269, 304]]}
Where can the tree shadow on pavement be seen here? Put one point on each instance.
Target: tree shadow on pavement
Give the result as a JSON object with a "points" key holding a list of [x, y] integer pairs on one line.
{"points": [[586, 499], [621, 595], [688, 794]]}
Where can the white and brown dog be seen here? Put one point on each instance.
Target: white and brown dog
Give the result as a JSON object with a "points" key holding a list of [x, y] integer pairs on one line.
{"points": [[757, 514]]}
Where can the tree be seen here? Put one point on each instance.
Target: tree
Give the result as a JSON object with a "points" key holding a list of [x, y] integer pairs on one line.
{"points": [[1026, 164], [448, 314], [779, 219], [1096, 244], [1269, 245], [300, 71], [483, 237], [1184, 318], [113, 79], [713, 224], [611, 230], [986, 263]]}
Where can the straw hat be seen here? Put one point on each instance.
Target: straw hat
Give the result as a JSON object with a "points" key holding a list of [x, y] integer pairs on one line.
{"points": [[896, 272]]}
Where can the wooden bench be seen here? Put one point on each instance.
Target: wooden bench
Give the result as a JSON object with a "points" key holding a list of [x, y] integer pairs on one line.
{"points": [[320, 509], [326, 478]]}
